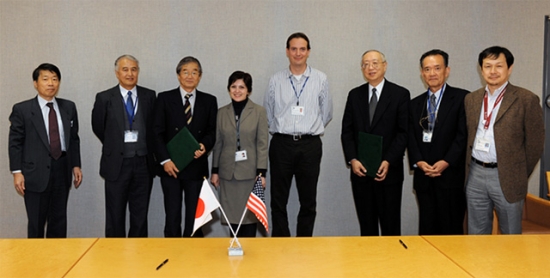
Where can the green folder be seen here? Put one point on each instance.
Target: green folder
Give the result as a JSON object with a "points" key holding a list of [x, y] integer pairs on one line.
{"points": [[182, 148], [370, 152]]}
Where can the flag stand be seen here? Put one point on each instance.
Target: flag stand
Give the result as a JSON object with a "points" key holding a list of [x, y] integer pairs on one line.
{"points": [[208, 203], [234, 250], [256, 205]]}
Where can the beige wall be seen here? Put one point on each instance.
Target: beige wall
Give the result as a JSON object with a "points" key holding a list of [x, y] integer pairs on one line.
{"points": [[83, 38]]}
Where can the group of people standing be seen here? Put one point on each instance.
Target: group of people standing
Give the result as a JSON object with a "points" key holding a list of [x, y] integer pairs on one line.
{"points": [[469, 152], [453, 139]]}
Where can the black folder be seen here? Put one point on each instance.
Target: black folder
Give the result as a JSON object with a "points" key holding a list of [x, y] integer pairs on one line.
{"points": [[370, 152], [182, 148]]}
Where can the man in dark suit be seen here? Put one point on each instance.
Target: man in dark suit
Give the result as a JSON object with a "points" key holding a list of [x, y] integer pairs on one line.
{"points": [[377, 199], [437, 143], [122, 119], [170, 118], [505, 141], [44, 152]]}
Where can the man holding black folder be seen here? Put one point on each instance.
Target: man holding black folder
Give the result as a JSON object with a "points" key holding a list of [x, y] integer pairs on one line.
{"points": [[188, 110], [437, 147], [378, 112]]}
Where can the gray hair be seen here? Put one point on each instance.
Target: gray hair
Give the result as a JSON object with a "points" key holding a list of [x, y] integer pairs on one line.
{"points": [[374, 50], [126, 56], [187, 60]]}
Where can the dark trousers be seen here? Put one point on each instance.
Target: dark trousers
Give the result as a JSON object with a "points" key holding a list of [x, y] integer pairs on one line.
{"points": [[173, 190], [377, 202], [441, 210], [132, 189], [49, 206], [246, 230], [302, 160]]}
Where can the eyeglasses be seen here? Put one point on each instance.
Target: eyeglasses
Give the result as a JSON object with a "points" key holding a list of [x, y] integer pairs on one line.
{"points": [[193, 73], [374, 64]]}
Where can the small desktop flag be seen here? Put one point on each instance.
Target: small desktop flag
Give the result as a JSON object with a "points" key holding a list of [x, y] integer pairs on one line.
{"points": [[256, 203], [206, 205]]}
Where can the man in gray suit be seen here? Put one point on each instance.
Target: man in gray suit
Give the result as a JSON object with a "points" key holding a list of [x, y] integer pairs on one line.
{"points": [[44, 152], [505, 141], [122, 119]]}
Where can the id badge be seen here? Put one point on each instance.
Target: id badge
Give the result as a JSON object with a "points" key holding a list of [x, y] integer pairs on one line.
{"points": [[427, 136], [241, 155], [483, 145], [130, 136], [297, 110]]}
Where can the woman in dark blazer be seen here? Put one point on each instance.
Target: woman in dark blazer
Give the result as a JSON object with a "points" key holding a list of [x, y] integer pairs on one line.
{"points": [[240, 152]]}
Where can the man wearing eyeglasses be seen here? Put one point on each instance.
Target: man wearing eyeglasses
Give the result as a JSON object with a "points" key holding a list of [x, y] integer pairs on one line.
{"points": [[181, 107], [378, 107], [437, 144]]}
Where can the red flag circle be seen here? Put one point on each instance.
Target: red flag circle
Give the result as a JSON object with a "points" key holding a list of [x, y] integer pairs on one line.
{"points": [[200, 208]]}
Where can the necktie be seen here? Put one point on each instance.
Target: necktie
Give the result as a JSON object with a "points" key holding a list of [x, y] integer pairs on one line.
{"points": [[432, 103], [55, 143], [187, 109], [432, 110], [372, 104], [130, 109], [130, 106]]}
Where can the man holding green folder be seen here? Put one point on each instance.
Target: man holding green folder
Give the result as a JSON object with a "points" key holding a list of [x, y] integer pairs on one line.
{"points": [[185, 130], [374, 138]]}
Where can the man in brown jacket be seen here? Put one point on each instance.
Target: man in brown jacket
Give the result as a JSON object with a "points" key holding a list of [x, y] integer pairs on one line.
{"points": [[505, 141]]}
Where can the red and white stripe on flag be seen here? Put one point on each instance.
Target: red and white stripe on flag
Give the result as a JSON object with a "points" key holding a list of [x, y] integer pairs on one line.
{"points": [[256, 203]]}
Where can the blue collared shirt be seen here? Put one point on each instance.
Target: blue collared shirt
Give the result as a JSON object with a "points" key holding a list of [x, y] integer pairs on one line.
{"points": [[311, 92]]}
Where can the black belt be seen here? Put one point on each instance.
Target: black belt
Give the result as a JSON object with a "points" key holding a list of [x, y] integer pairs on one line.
{"points": [[485, 164], [296, 137]]}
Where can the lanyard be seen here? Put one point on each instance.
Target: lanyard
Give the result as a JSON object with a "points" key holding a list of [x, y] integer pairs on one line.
{"points": [[432, 110], [129, 111], [486, 117], [238, 122], [301, 90]]}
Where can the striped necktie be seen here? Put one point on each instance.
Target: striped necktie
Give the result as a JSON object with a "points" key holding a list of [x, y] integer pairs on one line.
{"points": [[187, 109]]}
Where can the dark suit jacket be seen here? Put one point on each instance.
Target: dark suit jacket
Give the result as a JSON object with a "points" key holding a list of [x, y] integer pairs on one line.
{"points": [[519, 137], [108, 124], [390, 121], [29, 147], [170, 119], [448, 138]]}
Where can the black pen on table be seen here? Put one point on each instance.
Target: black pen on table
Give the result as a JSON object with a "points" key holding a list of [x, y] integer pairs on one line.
{"points": [[402, 243], [163, 263]]}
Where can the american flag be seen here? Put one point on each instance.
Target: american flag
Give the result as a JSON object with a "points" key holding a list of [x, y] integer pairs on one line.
{"points": [[256, 203]]}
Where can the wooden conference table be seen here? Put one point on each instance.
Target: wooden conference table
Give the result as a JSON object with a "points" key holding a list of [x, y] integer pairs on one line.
{"points": [[425, 256]]}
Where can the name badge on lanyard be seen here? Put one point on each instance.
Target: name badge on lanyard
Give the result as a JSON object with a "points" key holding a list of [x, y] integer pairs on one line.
{"points": [[483, 144], [427, 136], [130, 136], [297, 110], [432, 116], [241, 155]]}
